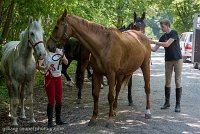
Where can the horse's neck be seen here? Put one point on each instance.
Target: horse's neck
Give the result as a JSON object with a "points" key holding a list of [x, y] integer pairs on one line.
{"points": [[89, 38], [25, 51]]}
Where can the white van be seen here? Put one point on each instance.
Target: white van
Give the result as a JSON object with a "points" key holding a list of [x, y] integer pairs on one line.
{"points": [[186, 45]]}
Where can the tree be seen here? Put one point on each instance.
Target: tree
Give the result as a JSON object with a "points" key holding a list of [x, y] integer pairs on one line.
{"points": [[184, 11]]}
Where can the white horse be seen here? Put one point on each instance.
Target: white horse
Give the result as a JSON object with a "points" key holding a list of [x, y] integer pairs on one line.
{"points": [[19, 67]]}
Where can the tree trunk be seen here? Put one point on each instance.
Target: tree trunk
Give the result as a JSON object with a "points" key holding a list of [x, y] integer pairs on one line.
{"points": [[8, 22], [1, 10]]}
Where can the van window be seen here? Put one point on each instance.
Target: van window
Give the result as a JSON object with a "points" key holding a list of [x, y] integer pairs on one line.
{"points": [[191, 37]]}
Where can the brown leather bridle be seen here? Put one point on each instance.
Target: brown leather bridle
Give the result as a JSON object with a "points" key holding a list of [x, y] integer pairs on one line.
{"points": [[64, 35]]}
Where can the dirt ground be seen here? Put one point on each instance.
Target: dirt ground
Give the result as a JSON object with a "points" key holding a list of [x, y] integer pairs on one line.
{"points": [[129, 119]]}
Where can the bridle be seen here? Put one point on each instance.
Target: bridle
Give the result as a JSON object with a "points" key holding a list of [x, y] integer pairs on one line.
{"points": [[64, 35], [32, 44], [138, 26], [57, 42]]}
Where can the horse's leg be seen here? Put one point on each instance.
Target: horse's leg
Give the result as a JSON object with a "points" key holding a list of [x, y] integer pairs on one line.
{"points": [[22, 93], [80, 73], [120, 80], [118, 87], [111, 97], [8, 84], [14, 102], [89, 74], [130, 100], [96, 84], [146, 74], [64, 70], [29, 90]]}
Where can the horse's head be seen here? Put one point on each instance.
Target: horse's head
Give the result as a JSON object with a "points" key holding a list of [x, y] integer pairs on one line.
{"points": [[138, 23], [61, 32], [35, 37]]}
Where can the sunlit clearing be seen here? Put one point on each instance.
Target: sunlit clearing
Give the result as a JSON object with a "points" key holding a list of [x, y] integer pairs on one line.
{"points": [[129, 120], [174, 120], [131, 123], [158, 117], [82, 122], [41, 112], [194, 125], [157, 75], [105, 132], [185, 132], [43, 121], [124, 111], [125, 127]]}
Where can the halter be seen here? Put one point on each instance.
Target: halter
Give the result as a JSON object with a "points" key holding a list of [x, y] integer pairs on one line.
{"points": [[58, 42], [138, 25], [33, 45], [63, 35]]}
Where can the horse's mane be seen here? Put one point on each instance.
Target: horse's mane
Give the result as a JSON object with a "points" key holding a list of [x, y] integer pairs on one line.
{"points": [[21, 36], [97, 28]]}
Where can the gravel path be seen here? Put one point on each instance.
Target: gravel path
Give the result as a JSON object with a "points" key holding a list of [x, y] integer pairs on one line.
{"points": [[129, 119]]}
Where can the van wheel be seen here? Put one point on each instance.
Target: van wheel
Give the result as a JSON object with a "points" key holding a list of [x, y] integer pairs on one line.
{"points": [[184, 59], [196, 65]]}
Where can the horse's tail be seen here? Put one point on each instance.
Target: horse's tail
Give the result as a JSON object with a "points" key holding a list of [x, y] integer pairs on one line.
{"points": [[125, 82]]}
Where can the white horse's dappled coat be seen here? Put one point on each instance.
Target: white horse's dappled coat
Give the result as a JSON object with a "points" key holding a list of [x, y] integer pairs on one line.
{"points": [[18, 65]]}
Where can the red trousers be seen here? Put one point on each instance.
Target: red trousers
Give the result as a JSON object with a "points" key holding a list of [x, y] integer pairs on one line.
{"points": [[53, 87]]}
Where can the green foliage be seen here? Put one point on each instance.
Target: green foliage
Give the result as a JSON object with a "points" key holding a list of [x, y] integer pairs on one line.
{"points": [[106, 12], [72, 67], [184, 11]]}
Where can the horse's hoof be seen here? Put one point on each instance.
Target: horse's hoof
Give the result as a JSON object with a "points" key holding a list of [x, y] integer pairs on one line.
{"points": [[79, 101], [147, 116], [70, 83], [33, 121], [9, 115], [23, 117], [114, 113], [86, 80], [14, 124], [130, 104], [92, 123], [110, 124]]}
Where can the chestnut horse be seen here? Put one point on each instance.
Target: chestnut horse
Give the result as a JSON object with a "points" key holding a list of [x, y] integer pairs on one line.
{"points": [[74, 51], [115, 55]]}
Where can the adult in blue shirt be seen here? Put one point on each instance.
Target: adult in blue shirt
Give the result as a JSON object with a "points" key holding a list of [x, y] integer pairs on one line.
{"points": [[173, 61]]}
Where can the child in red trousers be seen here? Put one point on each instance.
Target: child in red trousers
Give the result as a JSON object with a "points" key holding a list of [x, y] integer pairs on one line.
{"points": [[53, 82]]}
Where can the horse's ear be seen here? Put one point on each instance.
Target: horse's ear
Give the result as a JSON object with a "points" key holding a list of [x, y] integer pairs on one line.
{"points": [[40, 20], [64, 13], [30, 20], [134, 15], [143, 16]]}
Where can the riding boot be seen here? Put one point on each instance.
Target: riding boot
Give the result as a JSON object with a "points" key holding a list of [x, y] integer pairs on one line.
{"points": [[50, 116], [167, 98], [178, 99], [58, 114]]}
